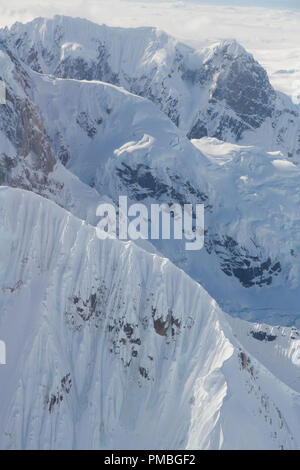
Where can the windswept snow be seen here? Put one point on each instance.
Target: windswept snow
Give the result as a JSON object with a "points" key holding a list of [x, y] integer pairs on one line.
{"points": [[103, 337]]}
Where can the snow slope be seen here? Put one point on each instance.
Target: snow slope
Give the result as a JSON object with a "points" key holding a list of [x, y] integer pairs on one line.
{"points": [[103, 337], [219, 92]]}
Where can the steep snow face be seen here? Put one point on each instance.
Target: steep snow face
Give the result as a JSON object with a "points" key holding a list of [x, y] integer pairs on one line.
{"points": [[220, 92], [276, 347], [95, 127], [121, 144], [103, 337]]}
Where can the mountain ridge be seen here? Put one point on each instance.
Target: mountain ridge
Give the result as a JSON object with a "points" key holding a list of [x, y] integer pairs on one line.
{"points": [[90, 353], [196, 89]]}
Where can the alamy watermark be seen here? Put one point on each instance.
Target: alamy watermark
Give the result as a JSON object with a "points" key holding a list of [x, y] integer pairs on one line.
{"points": [[2, 353], [163, 221], [2, 92]]}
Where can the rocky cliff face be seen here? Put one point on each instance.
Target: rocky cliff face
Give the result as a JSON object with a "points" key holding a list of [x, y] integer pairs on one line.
{"points": [[27, 159], [240, 97]]}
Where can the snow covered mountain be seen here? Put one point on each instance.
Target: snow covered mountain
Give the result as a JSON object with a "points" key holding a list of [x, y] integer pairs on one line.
{"points": [[105, 336], [108, 337], [219, 92], [117, 143], [120, 144]]}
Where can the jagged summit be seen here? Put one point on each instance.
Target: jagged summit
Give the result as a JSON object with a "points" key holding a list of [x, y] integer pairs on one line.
{"points": [[229, 47]]}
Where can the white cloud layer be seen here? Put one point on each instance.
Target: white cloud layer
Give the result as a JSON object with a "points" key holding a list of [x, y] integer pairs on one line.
{"points": [[273, 36]]}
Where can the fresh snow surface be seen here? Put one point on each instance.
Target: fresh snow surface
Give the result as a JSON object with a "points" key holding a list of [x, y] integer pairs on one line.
{"points": [[103, 337]]}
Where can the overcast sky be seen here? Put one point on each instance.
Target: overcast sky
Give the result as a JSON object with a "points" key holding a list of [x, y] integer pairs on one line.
{"points": [[271, 34], [281, 4], [256, 3]]}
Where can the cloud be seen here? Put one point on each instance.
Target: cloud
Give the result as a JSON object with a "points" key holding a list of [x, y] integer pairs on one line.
{"points": [[271, 35]]}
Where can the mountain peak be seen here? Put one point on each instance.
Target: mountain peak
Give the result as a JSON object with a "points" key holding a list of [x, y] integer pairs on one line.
{"points": [[232, 47], [227, 50]]}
